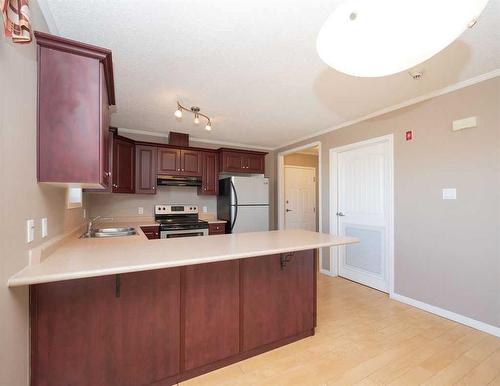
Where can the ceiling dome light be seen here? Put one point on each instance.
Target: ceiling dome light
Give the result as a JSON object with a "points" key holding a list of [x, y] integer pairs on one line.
{"points": [[369, 38], [178, 113]]}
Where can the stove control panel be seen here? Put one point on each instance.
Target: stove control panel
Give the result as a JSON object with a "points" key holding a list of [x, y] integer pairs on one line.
{"points": [[176, 209]]}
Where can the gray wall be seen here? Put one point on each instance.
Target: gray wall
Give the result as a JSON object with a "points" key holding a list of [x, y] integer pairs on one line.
{"points": [[446, 252]]}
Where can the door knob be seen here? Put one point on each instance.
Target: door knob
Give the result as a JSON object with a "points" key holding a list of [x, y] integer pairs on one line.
{"points": [[288, 210], [340, 214]]}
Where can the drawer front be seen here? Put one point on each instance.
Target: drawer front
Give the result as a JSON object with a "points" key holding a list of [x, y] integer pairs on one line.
{"points": [[152, 232], [217, 229]]}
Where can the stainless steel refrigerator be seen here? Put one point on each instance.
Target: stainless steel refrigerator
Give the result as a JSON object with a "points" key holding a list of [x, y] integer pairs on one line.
{"points": [[244, 203]]}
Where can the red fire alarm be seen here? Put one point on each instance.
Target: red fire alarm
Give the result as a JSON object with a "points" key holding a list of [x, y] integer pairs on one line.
{"points": [[409, 135]]}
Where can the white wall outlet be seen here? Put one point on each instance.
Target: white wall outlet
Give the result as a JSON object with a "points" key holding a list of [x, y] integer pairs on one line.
{"points": [[45, 229], [140, 210], [466, 123], [204, 209], [30, 230], [449, 194]]}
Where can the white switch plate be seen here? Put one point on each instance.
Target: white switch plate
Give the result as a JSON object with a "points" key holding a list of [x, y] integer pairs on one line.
{"points": [[466, 123], [45, 229], [205, 209], [84, 213], [449, 194], [140, 210], [30, 230]]}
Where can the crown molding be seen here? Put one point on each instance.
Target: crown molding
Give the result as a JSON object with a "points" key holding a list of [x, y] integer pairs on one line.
{"points": [[194, 139], [409, 102]]}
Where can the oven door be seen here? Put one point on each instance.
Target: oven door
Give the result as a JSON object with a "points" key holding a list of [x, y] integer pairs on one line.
{"points": [[183, 233]]}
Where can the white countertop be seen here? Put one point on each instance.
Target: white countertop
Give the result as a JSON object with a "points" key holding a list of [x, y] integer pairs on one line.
{"points": [[80, 258]]}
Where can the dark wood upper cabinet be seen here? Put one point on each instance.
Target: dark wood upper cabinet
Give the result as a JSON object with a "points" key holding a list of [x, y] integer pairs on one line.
{"points": [[145, 169], [75, 88], [123, 165], [169, 162], [241, 161], [210, 174], [190, 162]]}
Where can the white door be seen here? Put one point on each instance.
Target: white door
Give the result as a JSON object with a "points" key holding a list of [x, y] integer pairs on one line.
{"points": [[363, 210], [300, 198]]}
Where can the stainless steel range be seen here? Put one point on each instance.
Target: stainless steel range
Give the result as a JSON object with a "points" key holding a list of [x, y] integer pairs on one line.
{"points": [[179, 221]]}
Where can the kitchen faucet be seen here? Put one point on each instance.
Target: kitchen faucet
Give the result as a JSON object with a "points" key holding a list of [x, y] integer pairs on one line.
{"points": [[91, 222]]}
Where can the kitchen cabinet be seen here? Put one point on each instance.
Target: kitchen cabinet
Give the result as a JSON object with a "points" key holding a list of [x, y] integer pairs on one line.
{"points": [[75, 89], [111, 330], [151, 232], [292, 277], [145, 169], [169, 161], [211, 313], [241, 161], [123, 165], [179, 162], [210, 174], [164, 326], [216, 229]]}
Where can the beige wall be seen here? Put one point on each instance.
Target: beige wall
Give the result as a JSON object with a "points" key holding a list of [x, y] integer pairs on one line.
{"points": [[446, 252], [21, 198]]}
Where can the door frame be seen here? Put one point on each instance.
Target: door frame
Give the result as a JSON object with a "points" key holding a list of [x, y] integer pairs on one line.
{"points": [[281, 192], [333, 157], [315, 188]]}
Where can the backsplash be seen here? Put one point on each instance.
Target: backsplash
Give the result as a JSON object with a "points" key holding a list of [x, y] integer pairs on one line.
{"points": [[120, 205]]}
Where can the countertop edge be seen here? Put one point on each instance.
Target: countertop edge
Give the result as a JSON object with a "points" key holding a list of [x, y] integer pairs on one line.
{"points": [[18, 282]]}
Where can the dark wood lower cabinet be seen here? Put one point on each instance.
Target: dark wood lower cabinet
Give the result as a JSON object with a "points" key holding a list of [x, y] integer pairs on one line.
{"points": [[211, 313], [164, 326]]}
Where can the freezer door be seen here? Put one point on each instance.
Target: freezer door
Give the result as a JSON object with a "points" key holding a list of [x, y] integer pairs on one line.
{"points": [[250, 218], [250, 190]]}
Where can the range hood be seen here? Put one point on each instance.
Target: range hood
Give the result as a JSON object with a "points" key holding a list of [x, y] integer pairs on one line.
{"points": [[178, 181]]}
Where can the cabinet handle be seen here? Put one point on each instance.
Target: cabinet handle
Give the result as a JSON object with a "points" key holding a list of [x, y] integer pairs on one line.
{"points": [[115, 186], [178, 170], [154, 187]]}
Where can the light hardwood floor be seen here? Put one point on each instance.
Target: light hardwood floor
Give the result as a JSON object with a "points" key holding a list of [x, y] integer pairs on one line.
{"points": [[364, 338]]}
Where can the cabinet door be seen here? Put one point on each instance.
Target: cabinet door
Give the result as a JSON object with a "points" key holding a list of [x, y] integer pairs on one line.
{"points": [[169, 161], [73, 332], [149, 327], [290, 311], [211, 312], [210, 174], [145, 169], [105, 135], [232, 162], [123, 166], [190, 163], [254, 163]]}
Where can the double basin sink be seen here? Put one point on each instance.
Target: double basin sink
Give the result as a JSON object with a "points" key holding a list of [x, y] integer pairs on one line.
{"points": [[109, 232]]}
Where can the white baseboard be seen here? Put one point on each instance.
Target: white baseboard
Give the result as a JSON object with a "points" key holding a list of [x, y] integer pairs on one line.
{"points": [[326, 272], [481, 326]]}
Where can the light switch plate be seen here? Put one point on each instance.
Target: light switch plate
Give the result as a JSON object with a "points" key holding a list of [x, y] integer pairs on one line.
{"points": [[140, 210], [84, 213], [205, 209], [449, 194], [45, 229], [30, 230]]}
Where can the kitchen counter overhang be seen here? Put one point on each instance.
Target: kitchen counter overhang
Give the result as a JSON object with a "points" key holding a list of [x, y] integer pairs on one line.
{"points": [[83, 258]]}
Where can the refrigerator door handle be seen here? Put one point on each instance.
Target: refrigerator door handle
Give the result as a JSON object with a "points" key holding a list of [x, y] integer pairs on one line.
{"points": [[235, 206]]}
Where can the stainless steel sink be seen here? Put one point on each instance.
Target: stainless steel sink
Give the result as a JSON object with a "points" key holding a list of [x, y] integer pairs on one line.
{"points": [[109, 232]]}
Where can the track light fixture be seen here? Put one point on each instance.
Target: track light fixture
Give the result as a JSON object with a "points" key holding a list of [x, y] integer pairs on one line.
{"points": [[196, 111]]}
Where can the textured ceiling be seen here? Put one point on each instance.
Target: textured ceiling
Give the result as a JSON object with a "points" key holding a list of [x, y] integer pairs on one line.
{"points": [[251, 66]]}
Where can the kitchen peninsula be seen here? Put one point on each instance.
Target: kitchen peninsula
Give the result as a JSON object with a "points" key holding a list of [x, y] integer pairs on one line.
{"points": [[133, 311]]}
